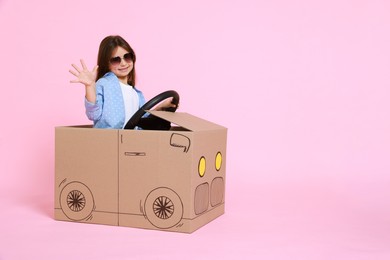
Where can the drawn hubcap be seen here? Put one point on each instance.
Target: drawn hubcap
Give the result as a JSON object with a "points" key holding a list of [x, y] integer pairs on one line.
{"points": [[76, 200], [163, 207]]}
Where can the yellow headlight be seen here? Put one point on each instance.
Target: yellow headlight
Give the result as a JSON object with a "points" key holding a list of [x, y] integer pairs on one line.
{"points": [[202, 166]]}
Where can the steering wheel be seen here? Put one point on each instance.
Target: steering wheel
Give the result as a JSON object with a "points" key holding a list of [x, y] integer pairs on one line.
{"points": [[152, 122]]}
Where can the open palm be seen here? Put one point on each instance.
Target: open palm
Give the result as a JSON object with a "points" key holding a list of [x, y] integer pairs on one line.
{"points": [[83, 75]]}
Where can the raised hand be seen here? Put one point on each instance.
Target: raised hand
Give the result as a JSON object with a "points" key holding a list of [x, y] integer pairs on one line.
{"points": [[83, 75]]}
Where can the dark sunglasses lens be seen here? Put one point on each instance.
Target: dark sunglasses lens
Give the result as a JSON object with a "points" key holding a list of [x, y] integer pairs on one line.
{"points": [[128, 57], [115, 60]]}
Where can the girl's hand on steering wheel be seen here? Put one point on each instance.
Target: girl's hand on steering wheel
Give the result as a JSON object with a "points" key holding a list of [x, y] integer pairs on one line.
{"points": [[166, 104]]}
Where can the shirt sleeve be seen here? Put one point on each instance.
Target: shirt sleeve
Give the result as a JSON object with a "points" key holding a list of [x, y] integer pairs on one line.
{"points": [[94, 110]]}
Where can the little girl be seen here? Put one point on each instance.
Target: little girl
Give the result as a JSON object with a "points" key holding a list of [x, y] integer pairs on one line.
{"points": [[112, 99]]}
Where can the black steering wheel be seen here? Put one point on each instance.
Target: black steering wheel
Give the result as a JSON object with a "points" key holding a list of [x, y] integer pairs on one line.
{"points": [[151, 122]]}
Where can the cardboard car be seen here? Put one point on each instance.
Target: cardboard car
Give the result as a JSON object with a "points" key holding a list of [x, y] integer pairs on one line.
{"points": [[172, 180]]}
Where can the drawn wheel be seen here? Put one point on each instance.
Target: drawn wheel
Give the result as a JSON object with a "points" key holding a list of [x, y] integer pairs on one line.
{"points": [[76, 201], [163, 208]]}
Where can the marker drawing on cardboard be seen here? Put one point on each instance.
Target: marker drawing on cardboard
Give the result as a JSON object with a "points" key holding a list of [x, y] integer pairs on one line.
{"points": [[170, 179], [181, 141], [76, 201]]}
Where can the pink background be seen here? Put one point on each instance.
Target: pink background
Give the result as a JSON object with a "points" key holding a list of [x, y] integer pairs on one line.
{"points": [[303, 87]]}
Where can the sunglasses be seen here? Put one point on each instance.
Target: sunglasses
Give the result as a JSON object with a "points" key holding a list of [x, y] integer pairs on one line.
{"points": [[128, 57]]}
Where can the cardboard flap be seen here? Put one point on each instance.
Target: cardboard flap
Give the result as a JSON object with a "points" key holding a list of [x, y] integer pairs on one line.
{"points": [[187, 121]]}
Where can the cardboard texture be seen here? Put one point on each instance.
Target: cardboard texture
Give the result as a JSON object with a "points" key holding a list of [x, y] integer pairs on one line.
{"points": [[165, 180]]}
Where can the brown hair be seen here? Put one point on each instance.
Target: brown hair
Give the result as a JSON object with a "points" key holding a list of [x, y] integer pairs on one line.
{"points": [[106, 48]]}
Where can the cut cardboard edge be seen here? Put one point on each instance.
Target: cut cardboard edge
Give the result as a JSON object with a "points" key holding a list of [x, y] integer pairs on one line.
{"points": [[187, 121]]}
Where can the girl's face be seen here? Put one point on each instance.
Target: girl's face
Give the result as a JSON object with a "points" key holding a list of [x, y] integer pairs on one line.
{"points": [[121, 64]]}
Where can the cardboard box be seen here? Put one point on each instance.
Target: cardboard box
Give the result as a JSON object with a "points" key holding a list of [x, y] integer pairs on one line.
{"points": [[166, 180]]}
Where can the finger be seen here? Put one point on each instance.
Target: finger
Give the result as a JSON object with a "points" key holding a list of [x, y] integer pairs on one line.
{"points": [[76, 68], [95, 68], [83, 64], [74, 73], [75, 81], [171, 103]]}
